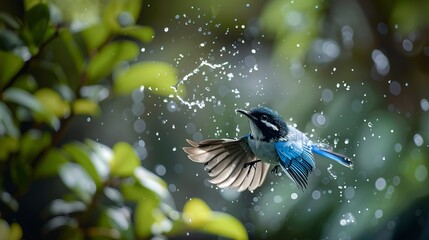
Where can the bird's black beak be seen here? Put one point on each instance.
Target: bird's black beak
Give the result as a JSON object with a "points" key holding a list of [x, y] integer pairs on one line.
{"points": [[246, 113]]}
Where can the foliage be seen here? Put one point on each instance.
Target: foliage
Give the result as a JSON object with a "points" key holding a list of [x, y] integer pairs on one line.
{"points": [[56, 67]]}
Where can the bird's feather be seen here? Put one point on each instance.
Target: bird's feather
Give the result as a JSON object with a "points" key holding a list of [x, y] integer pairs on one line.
{"points": [[225, 160], [328, 153], [296, 161]]}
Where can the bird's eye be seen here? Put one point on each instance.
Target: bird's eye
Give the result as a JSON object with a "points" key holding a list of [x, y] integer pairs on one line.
{"points": [[264, 117]]}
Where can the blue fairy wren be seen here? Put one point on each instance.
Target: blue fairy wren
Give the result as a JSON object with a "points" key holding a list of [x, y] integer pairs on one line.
{"points": [[243, 163]]}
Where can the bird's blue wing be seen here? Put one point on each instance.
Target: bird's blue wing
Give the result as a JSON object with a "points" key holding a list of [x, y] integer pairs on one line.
{"points": [[296, 160]]}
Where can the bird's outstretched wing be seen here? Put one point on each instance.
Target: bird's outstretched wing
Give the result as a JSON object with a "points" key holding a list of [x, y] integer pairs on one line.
{"points": [[229, 162], [296, 160]]}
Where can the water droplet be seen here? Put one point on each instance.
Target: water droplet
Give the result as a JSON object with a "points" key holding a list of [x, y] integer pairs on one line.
{"points": [[380, 184], [378, 213]]}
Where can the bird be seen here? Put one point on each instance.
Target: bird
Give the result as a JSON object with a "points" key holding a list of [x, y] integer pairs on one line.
{"points": [[243, 163]]}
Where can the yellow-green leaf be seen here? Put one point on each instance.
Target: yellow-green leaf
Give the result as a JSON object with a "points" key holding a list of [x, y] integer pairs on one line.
{"points": [[145, 216], [10, 66], [9, 145], [94, 36], [156, 76], [53, 102], [50, 164], [86, 106], [10, 232], [27, 100], [119, 13], [124, 160], [109, 57], [196, 213], [198, 216], [142, 33]]}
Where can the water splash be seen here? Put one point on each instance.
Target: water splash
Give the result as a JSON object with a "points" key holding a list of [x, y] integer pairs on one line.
{"points": [[347, 219], [330, 171], [198, 103]]}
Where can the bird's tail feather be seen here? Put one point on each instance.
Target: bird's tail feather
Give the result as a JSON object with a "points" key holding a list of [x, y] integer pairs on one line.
{"points": [[328, 153]]}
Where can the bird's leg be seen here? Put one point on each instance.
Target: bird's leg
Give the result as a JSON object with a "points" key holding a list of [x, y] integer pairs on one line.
{"points": [[252, 163], [275, 169]]}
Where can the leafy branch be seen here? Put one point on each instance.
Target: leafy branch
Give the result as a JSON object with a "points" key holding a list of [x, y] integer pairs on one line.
{"points": [[54, 74]]}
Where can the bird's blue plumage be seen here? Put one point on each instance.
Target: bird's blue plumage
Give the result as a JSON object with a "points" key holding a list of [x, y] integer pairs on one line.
{"points": [[243, 163], [343, 160], [296, 160]]}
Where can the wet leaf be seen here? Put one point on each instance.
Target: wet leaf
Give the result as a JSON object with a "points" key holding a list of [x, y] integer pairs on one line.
{"points": [[121, 13], [146, 215], [156, 76], [154, 183], [32, 143], [77, 180], [27, 100], [53, 102], [142, 33], [63, 207], [118, 219], [6, 121], [95, 36], [88, 160], [86, 107], [108, 58], [50, 164], [198, 216], [196, 212], [8, 201], [124, 161], [11, 64]]}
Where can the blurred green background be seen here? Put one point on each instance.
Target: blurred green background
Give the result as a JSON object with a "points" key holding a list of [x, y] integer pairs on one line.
{"points": [[91, 130]]}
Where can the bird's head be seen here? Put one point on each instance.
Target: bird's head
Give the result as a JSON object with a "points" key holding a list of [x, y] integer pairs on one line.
{"points": [[265, 124]]}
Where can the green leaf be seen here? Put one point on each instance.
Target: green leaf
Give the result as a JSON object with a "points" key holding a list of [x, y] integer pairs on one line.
{"points": [[53, 102], [10, 66], [142, 33], [25, 82], [63, 207], [124, 161], [10, 20], [198, 216], [156, 76], [37, 20], [27, 100], [10, 232], [9, 145], [77, 180], [32, 144], [86, 107], [88, 160], [8, 201], [118, 219], [109, 57], [147, 214], [50, 164], [119, 13], [94, 36], [6, 121], [153, 183]]}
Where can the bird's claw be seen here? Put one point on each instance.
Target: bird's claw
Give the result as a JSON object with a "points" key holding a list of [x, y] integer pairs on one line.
{"points": [[275, 169]]}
